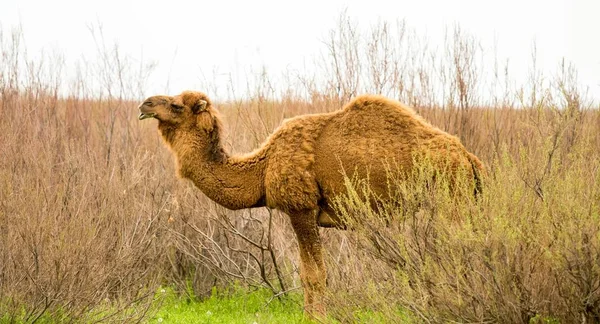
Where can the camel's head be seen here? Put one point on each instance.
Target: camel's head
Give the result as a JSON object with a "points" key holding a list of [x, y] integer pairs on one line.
{"points": [[186, 110]]}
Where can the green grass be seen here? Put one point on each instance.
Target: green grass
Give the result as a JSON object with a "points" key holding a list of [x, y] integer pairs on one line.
{"points": [[235, 306], [240, 305]]}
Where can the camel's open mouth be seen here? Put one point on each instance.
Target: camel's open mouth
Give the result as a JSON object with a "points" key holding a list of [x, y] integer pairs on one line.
{"points": [[146, 115]]}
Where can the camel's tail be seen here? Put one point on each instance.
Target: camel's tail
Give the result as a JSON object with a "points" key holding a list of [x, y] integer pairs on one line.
{"points": [[478, 174]]}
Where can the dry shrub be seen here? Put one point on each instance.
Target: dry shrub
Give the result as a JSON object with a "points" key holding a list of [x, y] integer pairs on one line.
{"points": [[82, 201], [75, 228], [225, 248]]}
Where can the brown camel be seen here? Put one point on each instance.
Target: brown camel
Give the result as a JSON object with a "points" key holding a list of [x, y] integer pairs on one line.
{"points": [[298, 169]]}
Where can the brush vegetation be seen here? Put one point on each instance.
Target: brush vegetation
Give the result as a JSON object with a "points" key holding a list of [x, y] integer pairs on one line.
{"points": [[93, 220]]}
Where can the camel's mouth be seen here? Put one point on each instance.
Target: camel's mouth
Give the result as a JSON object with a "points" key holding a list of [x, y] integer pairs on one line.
{"points": [[146, 115], [146, 111]]}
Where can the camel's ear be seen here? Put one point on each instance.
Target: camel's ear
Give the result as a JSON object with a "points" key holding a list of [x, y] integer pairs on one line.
{"points": [[199, 106]]}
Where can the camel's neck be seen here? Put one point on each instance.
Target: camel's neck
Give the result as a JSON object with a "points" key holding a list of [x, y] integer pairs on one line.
{"points": [[232, 182]]}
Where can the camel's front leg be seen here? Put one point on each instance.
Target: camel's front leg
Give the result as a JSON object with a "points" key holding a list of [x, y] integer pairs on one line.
{"points": [[312, 265]]}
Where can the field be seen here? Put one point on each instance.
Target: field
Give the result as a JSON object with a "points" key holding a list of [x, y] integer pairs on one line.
{"points": [[94, 224]]}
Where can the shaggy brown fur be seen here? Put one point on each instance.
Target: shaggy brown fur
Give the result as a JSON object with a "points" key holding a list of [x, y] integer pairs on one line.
{"points": [[299, 168]]}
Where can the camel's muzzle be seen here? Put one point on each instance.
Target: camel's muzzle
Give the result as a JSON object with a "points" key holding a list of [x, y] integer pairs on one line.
{"points": [[146, 115], [146, 112]]}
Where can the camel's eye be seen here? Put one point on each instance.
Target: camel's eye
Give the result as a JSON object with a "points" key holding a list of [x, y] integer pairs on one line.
{"points": [[177, 107], [148, 103]]}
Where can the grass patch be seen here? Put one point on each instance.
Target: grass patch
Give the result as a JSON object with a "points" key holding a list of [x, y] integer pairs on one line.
{"points": [[239, 305], [230, 306]]}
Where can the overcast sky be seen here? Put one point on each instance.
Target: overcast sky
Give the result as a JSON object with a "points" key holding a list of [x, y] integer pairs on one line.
{"points": [[187, 37]]}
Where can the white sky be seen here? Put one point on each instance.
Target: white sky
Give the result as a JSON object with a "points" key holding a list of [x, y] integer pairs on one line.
{"points": [[186, 37]]}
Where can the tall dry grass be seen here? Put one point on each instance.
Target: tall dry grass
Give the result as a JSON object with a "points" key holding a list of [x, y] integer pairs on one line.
{"points": [[93, 219]]}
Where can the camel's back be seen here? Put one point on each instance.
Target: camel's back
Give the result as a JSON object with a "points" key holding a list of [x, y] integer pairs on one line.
{"points": [[373, 128]]}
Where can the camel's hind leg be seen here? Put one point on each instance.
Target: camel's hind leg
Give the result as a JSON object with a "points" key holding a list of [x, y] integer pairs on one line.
{"points": [[312, 265]]}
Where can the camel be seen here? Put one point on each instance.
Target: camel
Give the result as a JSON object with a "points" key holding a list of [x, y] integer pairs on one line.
{"points": [[298, 168]]}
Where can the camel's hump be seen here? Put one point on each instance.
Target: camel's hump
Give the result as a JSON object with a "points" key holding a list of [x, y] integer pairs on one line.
{"points": [[369, 101]]}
